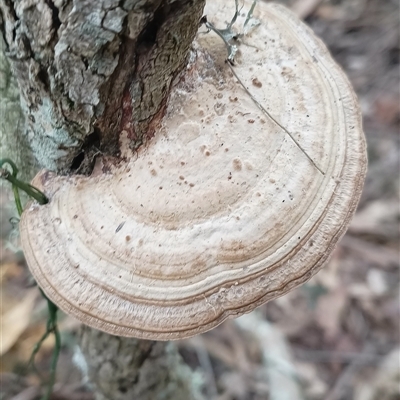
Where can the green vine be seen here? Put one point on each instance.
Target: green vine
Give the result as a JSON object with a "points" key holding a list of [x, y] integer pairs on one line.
{"points": [[51, 326]]}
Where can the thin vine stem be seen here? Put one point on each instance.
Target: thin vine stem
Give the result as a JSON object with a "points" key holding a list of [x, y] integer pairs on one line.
{"points": [[51, 325], [30, 190]]}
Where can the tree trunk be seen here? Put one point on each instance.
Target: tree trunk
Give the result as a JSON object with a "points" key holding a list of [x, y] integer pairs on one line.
{"points": [[123, 368], [88, 72]]}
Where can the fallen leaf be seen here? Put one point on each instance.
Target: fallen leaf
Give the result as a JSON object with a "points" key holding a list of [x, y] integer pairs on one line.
{"points": [[14, 322]]}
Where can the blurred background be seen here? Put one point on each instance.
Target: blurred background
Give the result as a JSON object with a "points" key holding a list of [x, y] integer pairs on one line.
{"points": [[334, 338]]}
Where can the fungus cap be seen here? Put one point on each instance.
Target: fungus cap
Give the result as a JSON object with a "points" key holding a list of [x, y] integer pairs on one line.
{"points": [[225, 208]]}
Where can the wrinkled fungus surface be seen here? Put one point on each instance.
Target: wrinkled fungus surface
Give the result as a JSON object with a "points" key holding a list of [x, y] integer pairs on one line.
{"points": [[221, 211]]}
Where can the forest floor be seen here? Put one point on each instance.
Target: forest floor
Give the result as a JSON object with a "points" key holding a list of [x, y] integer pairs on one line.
{"points": [[334, 338]]}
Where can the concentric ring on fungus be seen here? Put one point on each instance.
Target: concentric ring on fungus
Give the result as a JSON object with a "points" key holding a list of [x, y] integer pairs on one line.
{"points": [[221, 211]]}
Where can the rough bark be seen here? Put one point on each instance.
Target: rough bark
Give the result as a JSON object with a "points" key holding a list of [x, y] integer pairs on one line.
{"points": [[137, 369], [89, 71], [13, 133]]}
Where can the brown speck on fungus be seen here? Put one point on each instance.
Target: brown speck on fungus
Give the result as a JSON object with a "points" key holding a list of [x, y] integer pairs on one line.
{"points": [[256, 82], [237, 164]]}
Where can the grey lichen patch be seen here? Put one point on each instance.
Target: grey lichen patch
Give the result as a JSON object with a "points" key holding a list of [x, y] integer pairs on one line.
{"points": [[13, 140], [84, 34], [83, 88], [114, 19], [58, 140], [39, 35]]}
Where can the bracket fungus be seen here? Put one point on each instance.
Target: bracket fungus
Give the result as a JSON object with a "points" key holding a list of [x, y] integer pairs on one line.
{"points": [[251, 179]]}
